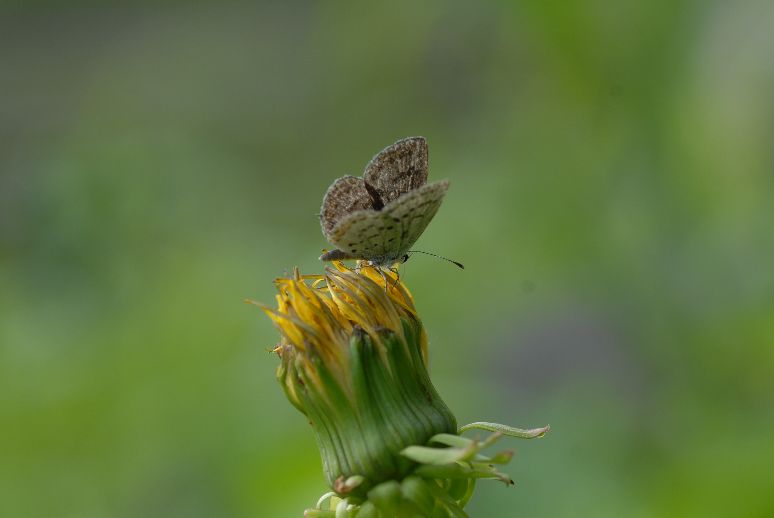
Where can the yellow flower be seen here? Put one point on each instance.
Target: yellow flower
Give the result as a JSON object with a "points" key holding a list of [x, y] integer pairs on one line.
{"points": [[320, 312]]}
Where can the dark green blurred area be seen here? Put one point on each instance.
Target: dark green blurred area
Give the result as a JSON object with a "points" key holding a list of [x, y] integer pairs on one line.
{"points": [[612, 169]]}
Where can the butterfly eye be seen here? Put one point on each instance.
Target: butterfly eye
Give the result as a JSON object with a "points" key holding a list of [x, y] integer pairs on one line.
{"points": [[404, 258]]}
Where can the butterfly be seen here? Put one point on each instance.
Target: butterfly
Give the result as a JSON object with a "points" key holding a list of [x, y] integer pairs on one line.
{"points": [[378, 217]]}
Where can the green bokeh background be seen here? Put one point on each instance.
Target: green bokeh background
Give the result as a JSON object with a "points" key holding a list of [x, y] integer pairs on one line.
{"points": [[612, 171]]}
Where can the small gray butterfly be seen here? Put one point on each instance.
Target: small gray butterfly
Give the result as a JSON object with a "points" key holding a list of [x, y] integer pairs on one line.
{"points": [[377, 218]]}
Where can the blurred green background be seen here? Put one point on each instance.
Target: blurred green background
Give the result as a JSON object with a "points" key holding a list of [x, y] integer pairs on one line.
{"points": [[612, 169]]}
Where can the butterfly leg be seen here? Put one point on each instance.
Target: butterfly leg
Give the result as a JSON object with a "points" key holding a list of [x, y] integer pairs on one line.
{"points": [[394, 269], [386, 282], [353, 270]]}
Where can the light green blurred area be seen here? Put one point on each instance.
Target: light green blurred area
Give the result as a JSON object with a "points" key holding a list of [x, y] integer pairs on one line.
{"points": [[612, 171]]}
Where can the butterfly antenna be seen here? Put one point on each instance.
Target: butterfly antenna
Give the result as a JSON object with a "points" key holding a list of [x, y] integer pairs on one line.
{"points": [[458, 264]]}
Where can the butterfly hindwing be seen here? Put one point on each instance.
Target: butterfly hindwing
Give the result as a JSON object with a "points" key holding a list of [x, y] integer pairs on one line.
{"points": [[384, 236], [415, 210], [346, 195], [365, 234]]}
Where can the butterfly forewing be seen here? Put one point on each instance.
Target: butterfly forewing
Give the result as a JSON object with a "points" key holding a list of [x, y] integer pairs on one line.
{"points": [[398, 169]]}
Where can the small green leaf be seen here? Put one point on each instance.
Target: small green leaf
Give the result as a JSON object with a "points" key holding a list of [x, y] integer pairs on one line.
{"points": [[449, 471], [353, 481], [323, 498], [488, 471], [438, 456], [503, 457], [463, 501], [507, 430], [451, 440]]}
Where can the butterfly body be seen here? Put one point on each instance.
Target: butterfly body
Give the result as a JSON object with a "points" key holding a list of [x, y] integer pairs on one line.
{"points": [[379, 217]]}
